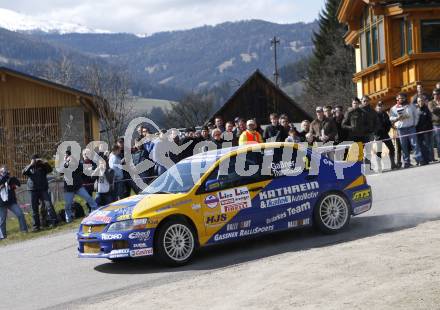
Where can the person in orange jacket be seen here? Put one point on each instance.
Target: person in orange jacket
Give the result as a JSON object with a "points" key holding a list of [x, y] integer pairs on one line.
{"points": [[251, 135]]}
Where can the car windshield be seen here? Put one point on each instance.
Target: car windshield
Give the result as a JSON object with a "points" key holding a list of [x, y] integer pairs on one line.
{"points": [[181, 177]]}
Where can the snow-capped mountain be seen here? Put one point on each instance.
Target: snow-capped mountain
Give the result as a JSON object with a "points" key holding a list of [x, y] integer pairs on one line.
{"points": [[14, 21]]}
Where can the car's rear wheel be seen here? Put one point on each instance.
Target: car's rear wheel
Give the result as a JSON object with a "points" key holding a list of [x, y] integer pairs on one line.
{"points": [[332, 213], [175, 243]]}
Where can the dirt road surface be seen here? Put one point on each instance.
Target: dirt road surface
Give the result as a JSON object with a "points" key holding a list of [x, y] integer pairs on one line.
{"points": [[388, 258]]}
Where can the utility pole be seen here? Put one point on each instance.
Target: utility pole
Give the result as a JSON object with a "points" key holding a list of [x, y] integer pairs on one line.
{"points": [[274, 43]]}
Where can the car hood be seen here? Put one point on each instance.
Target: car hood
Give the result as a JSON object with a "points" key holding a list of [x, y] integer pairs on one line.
{"points": [[131, 207]]}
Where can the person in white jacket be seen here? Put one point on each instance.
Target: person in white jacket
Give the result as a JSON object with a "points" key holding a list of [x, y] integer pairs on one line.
{"points": [[405, 117], [114, 162]]}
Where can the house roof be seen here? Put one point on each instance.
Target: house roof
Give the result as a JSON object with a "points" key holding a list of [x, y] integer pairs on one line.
{"points": [[257, 74], [48, 83]]}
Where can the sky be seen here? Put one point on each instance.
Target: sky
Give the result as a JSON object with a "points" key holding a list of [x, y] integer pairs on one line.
{"points": [[150, 16]]}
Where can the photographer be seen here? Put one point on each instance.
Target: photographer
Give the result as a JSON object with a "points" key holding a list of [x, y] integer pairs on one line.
{"points": [[73, 185], [38, 186], [8, 200]]}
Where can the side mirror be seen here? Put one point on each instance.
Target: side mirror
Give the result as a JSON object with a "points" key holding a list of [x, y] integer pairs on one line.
{"points": [[212, 185]]}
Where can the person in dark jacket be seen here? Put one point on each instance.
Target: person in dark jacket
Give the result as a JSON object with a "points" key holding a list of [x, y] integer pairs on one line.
{"points": [[339, 117], [8, 201], [228, 135], [89, 166], [73, 185], [382, 134], [274, 132], [424, 129], [322, 128], [217, 138], [372, 120], [356, 123], [38, 186]]}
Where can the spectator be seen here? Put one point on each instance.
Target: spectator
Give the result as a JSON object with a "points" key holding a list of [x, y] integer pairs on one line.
{"points": [[205, 134], [236, 124], [191, 143], [339, 118], [405, 117], [161, 153], [323, 129], [293, 136], [250, 136], [89, 167], [38, 186], [73, 185], [228, 134], [419, 93], [382, 134], [356, 123], [434, 108], [258, 127], [424, 130], [104, 183], [127, 184], [372, 118], [305, 129], [274, 132], [115, 164], [241, 127], [219, 123], [284, 122], [217, 138], [8, 201]]}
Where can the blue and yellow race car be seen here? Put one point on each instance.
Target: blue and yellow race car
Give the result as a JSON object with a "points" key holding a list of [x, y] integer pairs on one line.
{"points": [[225, 195]]}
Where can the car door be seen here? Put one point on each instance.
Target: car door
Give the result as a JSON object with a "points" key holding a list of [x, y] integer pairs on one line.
{"points": [[227, 197], [288, 200]]}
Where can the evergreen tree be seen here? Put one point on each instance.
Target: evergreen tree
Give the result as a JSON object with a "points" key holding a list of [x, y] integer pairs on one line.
{"points": [[331, 67]]}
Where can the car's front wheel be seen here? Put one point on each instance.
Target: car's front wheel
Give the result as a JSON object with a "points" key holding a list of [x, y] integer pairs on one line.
{"points": [[332, 213], [175, 243]]}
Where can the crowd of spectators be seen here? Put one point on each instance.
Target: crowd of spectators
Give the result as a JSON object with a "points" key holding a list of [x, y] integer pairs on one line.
{"points": [[100, 181]]}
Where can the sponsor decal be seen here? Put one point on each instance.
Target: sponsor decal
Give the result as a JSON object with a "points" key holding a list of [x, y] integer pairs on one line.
{"points": [[361, 195], [141, 252], [292, 224], [243, 233], [119, 253], [139, 245], [285, 168], [196, 207], [289, 212], [234, 199], [211, 201], [327, 162], [125, 211], [111, 236], [288, 194], [140, 235], [238, 225], [362, 208], [98, 216], [123, 217], [216, 220]]}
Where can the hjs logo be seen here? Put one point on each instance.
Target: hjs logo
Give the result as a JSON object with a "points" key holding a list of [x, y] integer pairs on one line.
{"points": [[215, 219], [361, 195]]}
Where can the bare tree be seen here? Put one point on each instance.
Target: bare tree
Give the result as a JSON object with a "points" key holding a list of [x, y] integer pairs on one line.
{"points": [[193, 109], [111, 96]]}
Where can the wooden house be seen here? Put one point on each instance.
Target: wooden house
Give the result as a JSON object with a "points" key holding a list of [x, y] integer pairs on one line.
{"points": [[397, 45], [36, 115], [257, 98]]}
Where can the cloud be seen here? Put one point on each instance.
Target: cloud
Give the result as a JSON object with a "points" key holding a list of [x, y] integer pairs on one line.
{"points": [[150, 16]]}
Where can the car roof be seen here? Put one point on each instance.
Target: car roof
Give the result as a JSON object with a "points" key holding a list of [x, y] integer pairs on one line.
{"points": [[219, 153]]}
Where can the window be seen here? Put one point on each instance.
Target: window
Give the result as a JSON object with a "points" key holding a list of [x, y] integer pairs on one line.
{"points": [[406, 41], [372, 39], [430, 36]]}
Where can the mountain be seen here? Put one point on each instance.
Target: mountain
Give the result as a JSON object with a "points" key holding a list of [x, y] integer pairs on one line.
{"points": [[19, 22], [165, 64]]}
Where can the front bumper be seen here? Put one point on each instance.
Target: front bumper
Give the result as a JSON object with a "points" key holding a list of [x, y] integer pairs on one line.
{"points": [[116, 245]]}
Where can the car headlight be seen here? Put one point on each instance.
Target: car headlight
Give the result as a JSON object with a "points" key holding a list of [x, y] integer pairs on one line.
{"points": [[133, 224]]}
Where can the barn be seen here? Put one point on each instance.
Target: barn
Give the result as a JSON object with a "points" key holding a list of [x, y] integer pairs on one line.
{"points": [[257, 98], [36, 115]]}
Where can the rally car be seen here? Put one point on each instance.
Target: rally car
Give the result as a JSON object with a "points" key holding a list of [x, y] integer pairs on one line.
{"points": [[225, 195]]}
